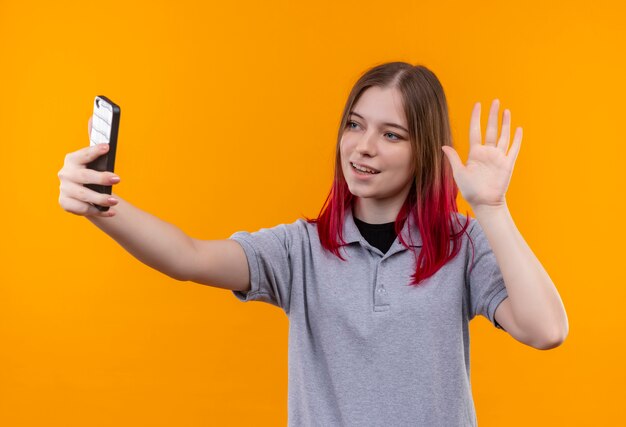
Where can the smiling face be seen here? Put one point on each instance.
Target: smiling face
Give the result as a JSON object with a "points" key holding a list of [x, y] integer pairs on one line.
{"points": [[376, 136]]}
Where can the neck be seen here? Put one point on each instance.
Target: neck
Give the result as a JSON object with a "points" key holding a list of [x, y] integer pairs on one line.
{"points": [[376, 211]]}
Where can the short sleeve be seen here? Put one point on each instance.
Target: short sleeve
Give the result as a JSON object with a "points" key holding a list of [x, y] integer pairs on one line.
{"points": [[484, 278], [268, 261]]}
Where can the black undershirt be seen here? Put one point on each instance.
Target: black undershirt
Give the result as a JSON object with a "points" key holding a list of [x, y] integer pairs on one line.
{"points": [[380, 236]]}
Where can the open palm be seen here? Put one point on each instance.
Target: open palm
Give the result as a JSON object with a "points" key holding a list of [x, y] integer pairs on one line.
{"points": [[483, 181]]}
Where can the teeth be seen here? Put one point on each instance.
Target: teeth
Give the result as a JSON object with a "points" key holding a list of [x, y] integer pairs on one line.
{"points": [[362, 169]]}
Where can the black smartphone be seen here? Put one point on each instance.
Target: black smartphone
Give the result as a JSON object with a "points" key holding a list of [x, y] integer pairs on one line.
{"points": [[105, 124]]}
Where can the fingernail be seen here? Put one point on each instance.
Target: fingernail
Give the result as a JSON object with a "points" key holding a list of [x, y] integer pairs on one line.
{"points": [[113, 200], [115, 179], [104, 147]]}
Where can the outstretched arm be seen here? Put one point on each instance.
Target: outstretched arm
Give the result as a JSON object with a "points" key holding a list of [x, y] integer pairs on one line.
{"points": [[533, 313]]}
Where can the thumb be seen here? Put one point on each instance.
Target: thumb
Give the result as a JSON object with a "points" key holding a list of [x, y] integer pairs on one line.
{"points": [[453, 157]]}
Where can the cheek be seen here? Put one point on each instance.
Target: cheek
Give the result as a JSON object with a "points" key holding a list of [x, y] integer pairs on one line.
{"points": [[342, 157], [344, 148], [404, 170], [347, 141]]}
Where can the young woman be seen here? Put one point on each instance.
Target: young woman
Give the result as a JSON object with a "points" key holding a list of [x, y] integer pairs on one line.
{"points": [[380, 287]]}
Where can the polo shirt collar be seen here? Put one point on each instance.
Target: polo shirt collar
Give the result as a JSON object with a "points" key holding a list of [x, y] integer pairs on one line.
{"points": [[352, 234]]}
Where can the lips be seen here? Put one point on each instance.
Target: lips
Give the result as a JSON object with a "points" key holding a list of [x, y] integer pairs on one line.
{"points": [[371, 169]]}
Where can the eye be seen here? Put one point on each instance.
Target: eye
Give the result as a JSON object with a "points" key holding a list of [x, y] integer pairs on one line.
{"points": [[396, 136]]}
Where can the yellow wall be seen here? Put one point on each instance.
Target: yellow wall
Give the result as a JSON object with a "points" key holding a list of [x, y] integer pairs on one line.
{"points": [[223, 105]]}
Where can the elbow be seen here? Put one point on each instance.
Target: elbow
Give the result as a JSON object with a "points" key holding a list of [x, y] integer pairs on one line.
{"points": [[553, 341], [181, 276], [176, 274], [548, 345], [178, 278]]}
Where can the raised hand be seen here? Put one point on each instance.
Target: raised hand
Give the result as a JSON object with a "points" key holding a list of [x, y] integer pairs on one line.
{"points": [[483, 181]]}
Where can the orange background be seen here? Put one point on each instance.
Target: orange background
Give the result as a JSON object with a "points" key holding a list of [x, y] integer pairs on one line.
{"points": [[229, 122]]}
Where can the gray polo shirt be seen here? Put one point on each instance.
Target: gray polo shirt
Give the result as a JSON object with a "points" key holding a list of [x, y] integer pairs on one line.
{"points": [[366, 349]]}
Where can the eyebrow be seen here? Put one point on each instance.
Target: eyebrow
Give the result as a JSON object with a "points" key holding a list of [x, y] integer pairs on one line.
{"points": [[384, 124]]}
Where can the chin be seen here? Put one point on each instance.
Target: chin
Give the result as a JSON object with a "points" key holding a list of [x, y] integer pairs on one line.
{"points": [[362, 194]]}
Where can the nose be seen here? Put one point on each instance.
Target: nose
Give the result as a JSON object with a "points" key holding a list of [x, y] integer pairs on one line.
{"points": [[367, 144]]}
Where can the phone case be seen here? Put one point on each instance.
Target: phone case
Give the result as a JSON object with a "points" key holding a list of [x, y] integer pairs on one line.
{"points": [[105, 125]]}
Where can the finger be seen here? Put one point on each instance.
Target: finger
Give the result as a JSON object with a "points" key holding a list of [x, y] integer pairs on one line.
{"points": [[85, 209], [475, 134], [88, 176], [492, 124], [515, 147], [505, 135], [72, 177], [86, 155], [87, 195]]}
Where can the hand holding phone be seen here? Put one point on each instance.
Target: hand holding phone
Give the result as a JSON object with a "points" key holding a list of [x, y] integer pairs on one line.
{"points": [[105, 124]]}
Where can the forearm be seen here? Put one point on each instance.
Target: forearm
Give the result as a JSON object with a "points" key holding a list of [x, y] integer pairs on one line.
{"points": [[156, 243], [535, 301]]}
